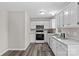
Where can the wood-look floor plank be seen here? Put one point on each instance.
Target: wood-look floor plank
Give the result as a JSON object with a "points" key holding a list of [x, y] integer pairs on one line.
{"points": [[20, 53], [34, 49], [13, 53], [28, 49], [31, 50], [39, 50], [7, 53]]}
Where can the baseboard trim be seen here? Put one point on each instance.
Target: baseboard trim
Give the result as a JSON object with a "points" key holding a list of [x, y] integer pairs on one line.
{"points": [[16, 49], [26, 45], [3, 52]]}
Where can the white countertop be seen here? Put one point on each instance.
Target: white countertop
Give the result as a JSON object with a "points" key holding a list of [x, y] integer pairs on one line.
{"points": [[67, 41]]}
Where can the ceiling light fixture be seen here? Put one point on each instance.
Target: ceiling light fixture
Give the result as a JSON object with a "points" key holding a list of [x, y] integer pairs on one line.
{"points": [[42, 12], [51, 13], [66, 13]]}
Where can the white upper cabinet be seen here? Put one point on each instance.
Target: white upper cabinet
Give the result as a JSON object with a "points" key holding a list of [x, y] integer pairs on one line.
{"points": [[66, 17], [73, 15], [69, 16], [77, 13], [61, 21], [53, 23], [57, 21]]}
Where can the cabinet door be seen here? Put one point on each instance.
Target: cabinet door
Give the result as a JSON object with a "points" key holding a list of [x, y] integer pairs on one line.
{"points": [[58, 20], [73, 15], [47, 37], [69, 17], [66, 18], [33, 25], [56, 23], [32, 37], [61, 19], [54, 46], [61, 50], [77, 13], [51, 43]]}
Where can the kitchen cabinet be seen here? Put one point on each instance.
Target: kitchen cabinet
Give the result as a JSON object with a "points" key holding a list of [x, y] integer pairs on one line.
{"points": [[48, 38], [61, 21], [64, 47], [57, 21], [61, 49], [66, 17], [73, 10], [58, 48], [32, 36], [54, 44], [52, 23], [51, 41], [69, 16]]}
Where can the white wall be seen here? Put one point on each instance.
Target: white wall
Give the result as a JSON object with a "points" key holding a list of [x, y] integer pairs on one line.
{"points": [[3, 31], [16, 30], [27, 29]]}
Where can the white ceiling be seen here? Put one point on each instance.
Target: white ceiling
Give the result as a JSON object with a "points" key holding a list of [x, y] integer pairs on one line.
{"points": [[33, 8]]}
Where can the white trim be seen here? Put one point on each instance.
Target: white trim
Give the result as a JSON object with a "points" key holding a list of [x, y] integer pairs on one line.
{"points": [[16, 49], [26, 45], [3, 52], [10, 49], [13, 49]]}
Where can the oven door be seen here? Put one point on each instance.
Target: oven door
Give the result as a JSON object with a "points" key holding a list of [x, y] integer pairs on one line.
{"points": [[39, 36]]}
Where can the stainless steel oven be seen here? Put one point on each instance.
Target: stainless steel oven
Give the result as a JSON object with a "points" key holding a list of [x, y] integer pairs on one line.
{"points": [[39, 32], [39, 36]]}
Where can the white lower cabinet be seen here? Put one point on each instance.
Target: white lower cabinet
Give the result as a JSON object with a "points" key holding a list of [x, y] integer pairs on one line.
{"points": [[51, 41], [32, 37], [54, 46], [58, 48], [61, 50]]}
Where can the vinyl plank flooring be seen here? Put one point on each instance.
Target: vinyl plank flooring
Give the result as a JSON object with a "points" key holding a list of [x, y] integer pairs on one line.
{"points": [[7, 53], [31, 50], [28, 49], [34, 49]]}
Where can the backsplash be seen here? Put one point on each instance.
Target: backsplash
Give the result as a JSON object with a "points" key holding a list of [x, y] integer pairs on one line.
{"points": [[71, 33], [51, 30]]}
